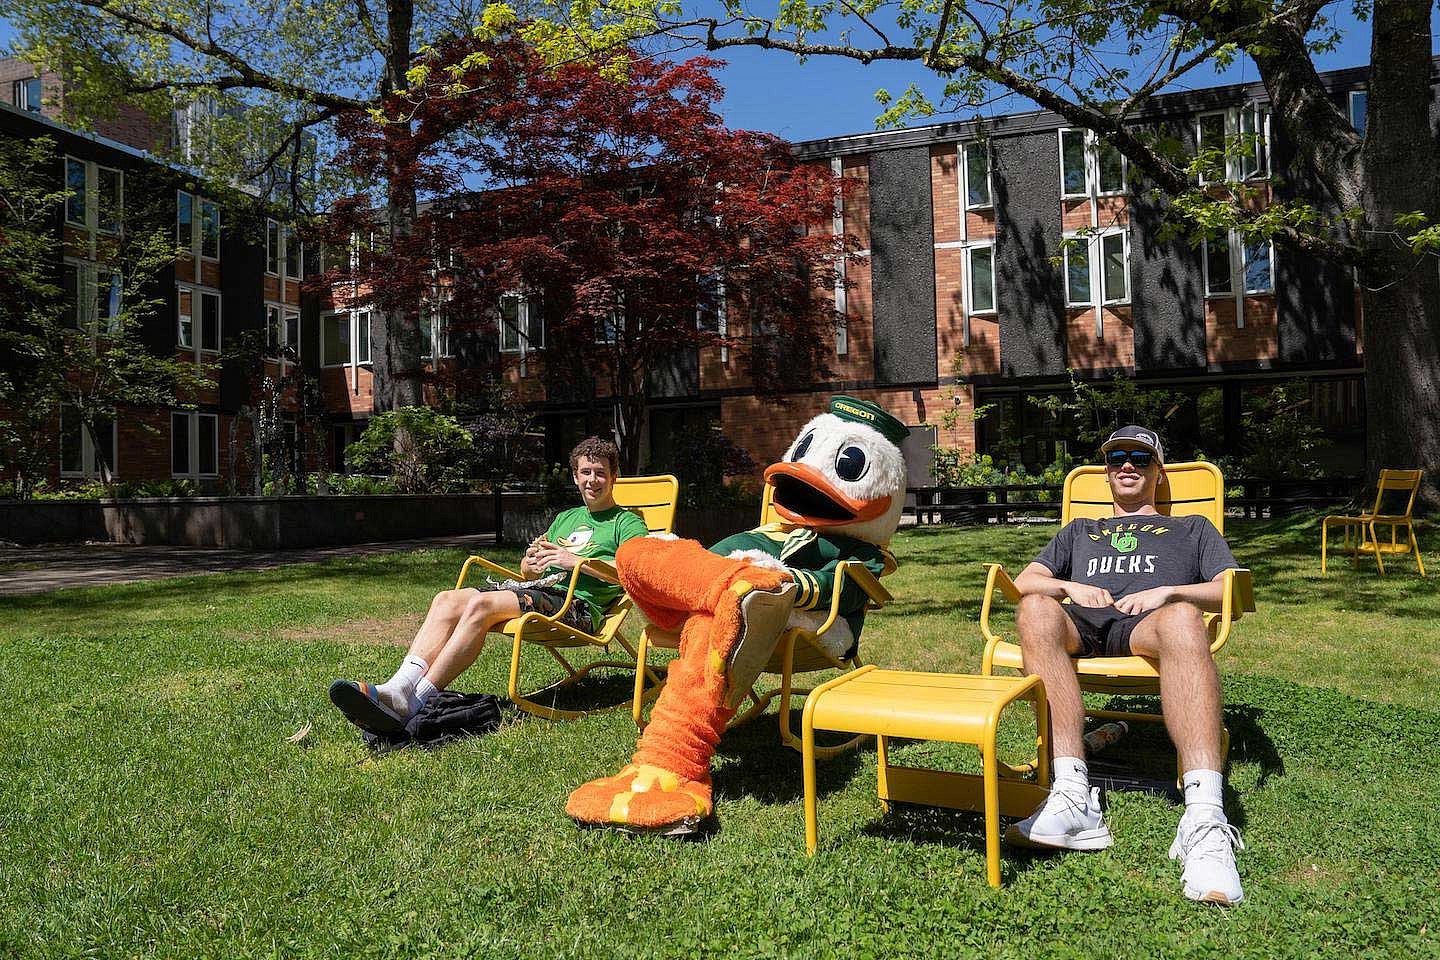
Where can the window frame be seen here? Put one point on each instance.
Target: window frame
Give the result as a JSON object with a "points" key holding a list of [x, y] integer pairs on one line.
{"points": [[1270, 270], [970, 309], [523, 325], [352, 343], [83, 193], [1350, 97], [273, 255], [20, 95], [1068, 249], [197, 319], [88, 469], [1124, 234], [1230, 121], [1095, 263], [1087, 192], [119, 204], [965, 150], [200, 222], [1205, 260], [192, 420]]}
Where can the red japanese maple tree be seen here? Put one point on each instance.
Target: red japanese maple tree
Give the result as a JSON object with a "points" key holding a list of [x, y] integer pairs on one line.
{"points": [[600, 231]]}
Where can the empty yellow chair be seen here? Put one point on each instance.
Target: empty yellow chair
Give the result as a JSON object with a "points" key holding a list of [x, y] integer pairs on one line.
{"points": [[654, 499], [1188, 489], [799, 651], [1365, 540]]}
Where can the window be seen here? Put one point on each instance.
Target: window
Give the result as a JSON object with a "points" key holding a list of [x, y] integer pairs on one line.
{"points": [[522, 323], [25, 94], [437, 334], [1074, 182], [1243, 134], [611, 327], [95, 196], [194, 444], [976, 166], [1100, 262], [335, 334], [345, 338], [86, 453], [1228, 260], [292, 333], [292, 253], [980, 271], [204, 338], [184, 221], [1109, 168], [111, 196], [1089, 166], [75, 184], [274, 330], [209, 230], [1077, 273], [1218, 280], [93, 295], [272, 248], [1359, 108]]}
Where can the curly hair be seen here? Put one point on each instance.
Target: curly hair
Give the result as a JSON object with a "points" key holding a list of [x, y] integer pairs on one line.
{"points": [[596, 449]]}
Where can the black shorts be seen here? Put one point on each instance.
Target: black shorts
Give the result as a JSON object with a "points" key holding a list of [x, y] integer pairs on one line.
{"points": [[546, 600], [1104, 631]]}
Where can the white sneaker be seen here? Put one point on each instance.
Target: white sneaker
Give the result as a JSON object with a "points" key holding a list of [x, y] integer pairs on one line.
{"points": [[1069, 819], [1207, 846]]}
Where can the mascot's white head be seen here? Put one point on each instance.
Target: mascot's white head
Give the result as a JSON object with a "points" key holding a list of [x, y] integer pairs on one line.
{"points": [[844, 473]]}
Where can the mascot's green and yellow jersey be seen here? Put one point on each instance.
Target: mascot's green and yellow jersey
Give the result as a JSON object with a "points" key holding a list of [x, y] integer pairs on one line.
{"points": [[813, 559]]}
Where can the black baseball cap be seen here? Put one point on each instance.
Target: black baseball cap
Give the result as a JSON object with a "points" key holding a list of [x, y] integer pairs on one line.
{"points": [[1132, 437]]}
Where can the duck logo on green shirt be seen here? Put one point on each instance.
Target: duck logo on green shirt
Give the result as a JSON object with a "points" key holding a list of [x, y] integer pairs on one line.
{"points": [[577, 538]]}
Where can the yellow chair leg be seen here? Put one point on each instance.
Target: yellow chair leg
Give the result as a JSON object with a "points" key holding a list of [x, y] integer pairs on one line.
{"points": [[1324, 543], [1375, 542], [1415, 546], [992, 814], [807, 753]]}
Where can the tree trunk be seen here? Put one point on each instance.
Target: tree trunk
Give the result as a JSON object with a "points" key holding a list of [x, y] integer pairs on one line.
{"points": [[1401, 294]]}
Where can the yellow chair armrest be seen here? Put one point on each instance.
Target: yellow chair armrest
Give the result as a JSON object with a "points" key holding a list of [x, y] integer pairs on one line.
{"points": [[864, 579], [996, 580], [492, 566], [601, 569]]}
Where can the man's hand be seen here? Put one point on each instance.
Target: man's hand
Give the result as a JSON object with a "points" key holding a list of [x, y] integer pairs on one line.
{"points": [[1145, 600], [548, 555], [531, 564], [1088, 596]]}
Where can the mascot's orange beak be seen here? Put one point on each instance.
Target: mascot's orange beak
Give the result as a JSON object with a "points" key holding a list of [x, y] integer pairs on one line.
{"points": [[803, 495]]}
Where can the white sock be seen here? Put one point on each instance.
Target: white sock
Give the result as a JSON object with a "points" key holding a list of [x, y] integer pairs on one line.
{"points": [[1204, 794], [1071, 772], [424, 690], [399, 690]]}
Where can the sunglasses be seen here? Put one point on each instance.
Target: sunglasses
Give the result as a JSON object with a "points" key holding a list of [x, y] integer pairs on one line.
{"points": [[1141, 459]]}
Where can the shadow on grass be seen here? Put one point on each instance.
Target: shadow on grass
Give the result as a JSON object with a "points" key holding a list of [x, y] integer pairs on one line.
{"points": [[754, 763], [953, 829]]}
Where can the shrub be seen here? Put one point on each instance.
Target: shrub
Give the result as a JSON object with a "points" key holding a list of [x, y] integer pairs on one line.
{"points": [[420, 449]]}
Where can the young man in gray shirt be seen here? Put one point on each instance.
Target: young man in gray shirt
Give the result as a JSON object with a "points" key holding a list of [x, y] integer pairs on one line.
{"points": [[1137, 584]]}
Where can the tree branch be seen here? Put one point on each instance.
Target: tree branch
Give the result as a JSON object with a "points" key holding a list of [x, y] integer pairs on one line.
{"points": [[250, 76]]}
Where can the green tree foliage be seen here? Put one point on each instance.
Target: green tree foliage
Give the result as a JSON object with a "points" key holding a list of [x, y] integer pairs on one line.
{"points": [[56, 353], [1370, 200], [422, 450]]}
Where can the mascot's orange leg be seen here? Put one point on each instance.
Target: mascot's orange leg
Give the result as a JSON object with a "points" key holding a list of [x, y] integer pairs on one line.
{"points": [[666, 786]]}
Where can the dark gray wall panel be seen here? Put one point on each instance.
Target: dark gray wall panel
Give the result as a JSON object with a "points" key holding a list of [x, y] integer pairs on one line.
{"points": [[242, 265], [1167, 284], [1314, 301], [1028, 290], [902, 258]]}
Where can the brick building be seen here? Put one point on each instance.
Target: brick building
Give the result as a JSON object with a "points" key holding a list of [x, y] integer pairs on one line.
{"points": [[966, 297]]}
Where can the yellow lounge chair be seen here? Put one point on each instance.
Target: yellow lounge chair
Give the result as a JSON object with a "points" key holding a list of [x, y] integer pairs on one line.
{"points": [[799, 651], [1188, 489], [1366, 541], [654, 499]]}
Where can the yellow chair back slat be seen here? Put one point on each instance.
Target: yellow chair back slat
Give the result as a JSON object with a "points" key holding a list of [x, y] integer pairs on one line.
{"points": [[1187, 489], [653, 498], [767, 507], [1398, 481]]}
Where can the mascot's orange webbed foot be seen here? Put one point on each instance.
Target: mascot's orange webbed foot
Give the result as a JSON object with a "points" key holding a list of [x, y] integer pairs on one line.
{"points": [[642, 798]]}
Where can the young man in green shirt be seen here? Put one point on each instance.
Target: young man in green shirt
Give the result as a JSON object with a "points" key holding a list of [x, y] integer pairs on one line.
{"points": [[454, 630]]}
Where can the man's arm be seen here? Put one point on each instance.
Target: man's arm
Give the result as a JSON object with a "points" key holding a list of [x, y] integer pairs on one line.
{"points": [[1208, 596], [1038, 578]]}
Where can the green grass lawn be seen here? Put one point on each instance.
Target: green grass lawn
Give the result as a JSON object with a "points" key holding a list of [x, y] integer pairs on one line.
{"points": [[151, 806]]}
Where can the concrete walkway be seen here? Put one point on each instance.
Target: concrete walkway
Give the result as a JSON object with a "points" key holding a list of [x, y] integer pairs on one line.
{"points": [[55, 567]]}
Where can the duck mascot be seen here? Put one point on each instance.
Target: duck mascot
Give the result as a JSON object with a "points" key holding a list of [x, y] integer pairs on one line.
{"points": [[840, 489]]}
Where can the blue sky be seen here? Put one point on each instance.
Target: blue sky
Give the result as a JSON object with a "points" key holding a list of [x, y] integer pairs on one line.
{"points": [[825, 97]]}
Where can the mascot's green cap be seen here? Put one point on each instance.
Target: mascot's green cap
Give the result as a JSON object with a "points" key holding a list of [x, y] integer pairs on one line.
{"points": [[870, 414]]}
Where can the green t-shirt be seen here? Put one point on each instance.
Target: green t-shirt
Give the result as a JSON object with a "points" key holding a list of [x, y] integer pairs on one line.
{"points": [[595, 536]]}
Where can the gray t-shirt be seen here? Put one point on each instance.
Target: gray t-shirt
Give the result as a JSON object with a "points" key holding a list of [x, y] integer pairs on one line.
{"points": [[1130, 554]]}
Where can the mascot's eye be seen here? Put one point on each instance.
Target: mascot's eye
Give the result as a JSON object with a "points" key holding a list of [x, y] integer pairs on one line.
{"points": [[802, 447], [851, 464]]}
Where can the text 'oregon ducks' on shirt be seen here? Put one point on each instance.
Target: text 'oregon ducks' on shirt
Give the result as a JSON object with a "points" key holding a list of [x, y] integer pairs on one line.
{"points": [[1130, 554], [594, 536]]}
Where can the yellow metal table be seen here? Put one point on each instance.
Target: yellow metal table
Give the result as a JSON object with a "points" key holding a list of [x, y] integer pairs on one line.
{"points": [[932, 706]]}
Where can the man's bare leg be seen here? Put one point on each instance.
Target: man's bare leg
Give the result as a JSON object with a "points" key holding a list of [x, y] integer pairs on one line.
{"points": [[445, 611], [1190, 699], [1048, 641], [482, 613], [1189, 683]]}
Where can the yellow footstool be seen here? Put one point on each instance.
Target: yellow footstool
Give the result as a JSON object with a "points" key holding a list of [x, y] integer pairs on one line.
{"points": [[932, 706]]}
